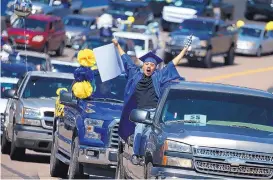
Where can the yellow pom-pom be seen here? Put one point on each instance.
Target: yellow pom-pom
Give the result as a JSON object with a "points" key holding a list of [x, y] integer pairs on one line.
{"points": [[94, 68], [82, 89], [269, 26], [86, 58], [240, 23], [60, 89], [131, 19]]}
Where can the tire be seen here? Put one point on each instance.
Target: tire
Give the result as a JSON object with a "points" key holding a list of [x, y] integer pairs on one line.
{"points": [[207, 61], [120, 174], [16, 153], [60, 50], [45, 49], [75, 170], [5, 144], [57, 167], [259, 52], [249, 16], [229, 60], [168, 57]]}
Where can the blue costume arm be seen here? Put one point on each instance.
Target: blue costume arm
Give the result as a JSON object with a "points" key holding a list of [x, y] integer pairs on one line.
{"points": [[168, 73], [129, 65]]}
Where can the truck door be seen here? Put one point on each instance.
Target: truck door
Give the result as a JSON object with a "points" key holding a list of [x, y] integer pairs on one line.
{"points": [[267, 44], [216, 41]]}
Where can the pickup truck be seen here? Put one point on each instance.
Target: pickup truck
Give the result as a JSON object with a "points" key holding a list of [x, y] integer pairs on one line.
{"points": [[179, 10], [210, 38], [203, 131], [85, 130], [31, 112]]}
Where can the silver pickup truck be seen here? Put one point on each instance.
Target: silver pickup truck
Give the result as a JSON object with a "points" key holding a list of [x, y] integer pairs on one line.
{"points": [[31, 111]]}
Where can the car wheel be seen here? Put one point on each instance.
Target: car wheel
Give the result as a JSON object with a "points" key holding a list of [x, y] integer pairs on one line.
{"points": [[259, 52], [60, 50], [249, 16], [120, 170], [5, 144], [16, 153], [168, 57], [75, 170], [229, 59], [208, 59], [57, 167]]}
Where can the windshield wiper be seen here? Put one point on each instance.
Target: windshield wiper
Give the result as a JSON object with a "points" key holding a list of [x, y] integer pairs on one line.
{"points": [[107, 100], [247, 127]]}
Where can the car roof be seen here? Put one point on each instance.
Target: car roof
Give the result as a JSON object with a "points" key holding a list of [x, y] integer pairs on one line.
{"points": [[255, 26], [132, 35], [8, 80], [43, 17], [51, 74], [34, 54], [80, 16], [217, 87], [76, 64]]}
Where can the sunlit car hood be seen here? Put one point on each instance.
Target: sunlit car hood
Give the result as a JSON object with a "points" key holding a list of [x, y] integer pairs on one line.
{"points": [[39, 103], [74, 31]]}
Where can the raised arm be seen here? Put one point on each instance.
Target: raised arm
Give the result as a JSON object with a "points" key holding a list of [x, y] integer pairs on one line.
{"points": [[120, 50], [177, 59]]}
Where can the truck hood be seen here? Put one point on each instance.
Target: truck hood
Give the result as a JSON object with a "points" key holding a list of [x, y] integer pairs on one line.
{"points": [[104, 110], [222, 137], [3, 104], [36, 103]]}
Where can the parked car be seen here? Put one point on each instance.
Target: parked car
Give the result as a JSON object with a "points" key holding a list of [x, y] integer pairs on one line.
{"points": [[37, 32], [253, 39], [210, 38], [31, 113], [203, 131], [258, 7], [179, 10], [79, 27], [122, 10], [10, 74], [85, 136], [63, 66]]}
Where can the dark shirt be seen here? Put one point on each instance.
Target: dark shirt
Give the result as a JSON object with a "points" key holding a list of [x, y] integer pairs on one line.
{"points": [[145, 94]]}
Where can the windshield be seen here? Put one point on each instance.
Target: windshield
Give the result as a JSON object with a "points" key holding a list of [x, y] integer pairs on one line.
{"points": [[250, 32], [113, 89], [45, 87], [63, 68], [198, 26], [76, 22], [41, 1], [30, 24], [138, 44], [6, 86], [189, 3], [193, 108], [119, 9], [38, 62]]}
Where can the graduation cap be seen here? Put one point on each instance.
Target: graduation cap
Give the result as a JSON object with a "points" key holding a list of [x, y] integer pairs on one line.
{"points": [[151, 57]]}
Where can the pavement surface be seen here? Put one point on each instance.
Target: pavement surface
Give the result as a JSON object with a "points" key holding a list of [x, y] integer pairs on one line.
{"points": [[247, 71]]}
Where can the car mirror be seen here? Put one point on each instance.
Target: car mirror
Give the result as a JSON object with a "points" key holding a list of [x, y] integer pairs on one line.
{"points": [[10, 93], [66, 98], [140, 116], [57, 3]]}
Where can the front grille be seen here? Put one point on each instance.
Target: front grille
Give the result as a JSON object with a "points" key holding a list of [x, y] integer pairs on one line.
{"points": [[49, 114], [249, 165], [247, 171], [114, 137]]}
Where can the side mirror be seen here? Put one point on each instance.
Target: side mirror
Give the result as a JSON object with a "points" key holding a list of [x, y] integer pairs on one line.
{"points": [[10, 93], [66, 98], [57, 3], [140, 116]]}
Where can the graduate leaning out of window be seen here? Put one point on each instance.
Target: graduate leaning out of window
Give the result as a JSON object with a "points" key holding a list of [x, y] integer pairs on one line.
{"points": [[143, 90]]}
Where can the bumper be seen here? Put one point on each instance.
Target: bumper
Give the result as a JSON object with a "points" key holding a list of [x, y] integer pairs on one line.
{"points": [[34, 138], [192, 54], [246, 51], [181, 173], [31, 46], [99, 156]]}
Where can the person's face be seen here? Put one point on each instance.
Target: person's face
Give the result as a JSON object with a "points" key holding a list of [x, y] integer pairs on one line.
{"points": [[148, 68]]}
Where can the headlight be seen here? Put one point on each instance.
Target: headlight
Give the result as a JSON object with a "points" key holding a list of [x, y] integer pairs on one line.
{"points": [[203, 43], [177, 146], [38, 38], [89, 128], [32, 113]]}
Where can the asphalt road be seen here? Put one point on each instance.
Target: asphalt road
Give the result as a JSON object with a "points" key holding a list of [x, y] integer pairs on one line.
{"points": [[247, 71]]}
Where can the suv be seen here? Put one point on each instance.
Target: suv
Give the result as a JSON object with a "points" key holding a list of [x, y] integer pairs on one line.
{"points": [[203, 131], [38, 32], [31, 112], [210, 38], [258, 7]]}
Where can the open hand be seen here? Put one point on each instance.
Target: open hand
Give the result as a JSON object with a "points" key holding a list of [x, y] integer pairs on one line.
{"points": [[115, 42]]}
